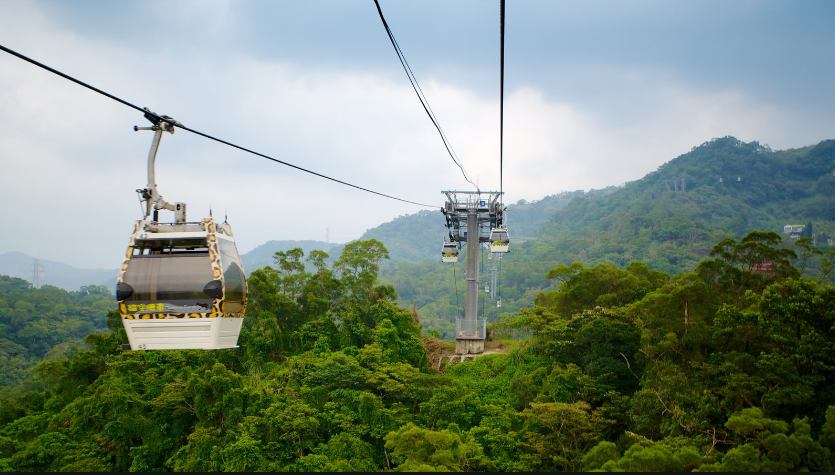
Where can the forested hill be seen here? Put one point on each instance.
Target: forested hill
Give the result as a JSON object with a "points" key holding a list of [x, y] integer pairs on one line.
{"points": [[671, 218], [45, 323]]}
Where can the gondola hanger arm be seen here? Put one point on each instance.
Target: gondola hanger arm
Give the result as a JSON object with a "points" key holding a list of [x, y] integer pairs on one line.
{"points": [[150, 194]]}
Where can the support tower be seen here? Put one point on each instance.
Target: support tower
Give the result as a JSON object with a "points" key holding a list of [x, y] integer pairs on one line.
{"points": [[470, 216]]}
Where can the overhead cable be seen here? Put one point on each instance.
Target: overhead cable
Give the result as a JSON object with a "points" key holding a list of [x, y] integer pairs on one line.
{"points": [[422, 97], [501, 101], [196, 132]]}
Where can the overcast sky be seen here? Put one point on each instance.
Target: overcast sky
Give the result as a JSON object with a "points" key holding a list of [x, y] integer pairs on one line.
{"points": [[596, 93]]}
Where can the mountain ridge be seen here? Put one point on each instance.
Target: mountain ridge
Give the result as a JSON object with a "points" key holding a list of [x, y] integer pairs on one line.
{"points": [[722, 188], [58, 274]]}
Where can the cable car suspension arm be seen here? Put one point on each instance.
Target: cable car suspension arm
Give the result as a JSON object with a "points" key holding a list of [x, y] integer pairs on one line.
{"points": [[151, 195]]}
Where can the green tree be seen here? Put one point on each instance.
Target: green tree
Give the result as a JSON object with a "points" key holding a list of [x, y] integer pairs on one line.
{"points": [[417, 449], [750, 264], [359, 266], [558, 434]]}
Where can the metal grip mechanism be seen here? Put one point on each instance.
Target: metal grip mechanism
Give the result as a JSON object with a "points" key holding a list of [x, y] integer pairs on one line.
{"points": [[150, 195]]}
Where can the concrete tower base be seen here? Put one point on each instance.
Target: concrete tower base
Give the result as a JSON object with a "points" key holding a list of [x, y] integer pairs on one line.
{"points": [[469, 346]]}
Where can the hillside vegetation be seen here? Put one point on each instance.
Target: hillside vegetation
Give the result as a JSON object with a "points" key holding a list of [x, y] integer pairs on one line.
{"points": [[45, 323], [671, 217], [724, 369]]}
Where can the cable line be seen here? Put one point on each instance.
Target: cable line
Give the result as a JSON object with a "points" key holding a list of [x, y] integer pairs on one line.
{"points": [[455, 283], [303, 169], [499, 279], [422, 97], [501, 101], [150, 114]]}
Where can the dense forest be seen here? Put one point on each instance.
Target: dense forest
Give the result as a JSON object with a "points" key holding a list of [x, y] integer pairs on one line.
{"points": [[726, 368], [45, 323], [664, 325]]}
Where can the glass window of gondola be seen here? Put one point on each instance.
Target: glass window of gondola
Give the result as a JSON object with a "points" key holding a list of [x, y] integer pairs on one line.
{"points": [[169, 246], [233, 276], [169, 278], [499, 236]]}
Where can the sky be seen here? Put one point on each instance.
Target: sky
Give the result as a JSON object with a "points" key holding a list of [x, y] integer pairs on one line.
{"points": [[597, 93]]}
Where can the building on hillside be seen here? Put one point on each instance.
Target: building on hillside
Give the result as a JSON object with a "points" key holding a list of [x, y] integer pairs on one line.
{"points": [[765, 268], [794, 230]]}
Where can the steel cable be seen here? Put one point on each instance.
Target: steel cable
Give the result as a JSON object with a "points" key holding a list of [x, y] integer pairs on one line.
{"points": [[196, 132]]}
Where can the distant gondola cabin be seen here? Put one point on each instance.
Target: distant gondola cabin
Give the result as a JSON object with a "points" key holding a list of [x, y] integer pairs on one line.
{"points": [[499, 240], [449, 252]]}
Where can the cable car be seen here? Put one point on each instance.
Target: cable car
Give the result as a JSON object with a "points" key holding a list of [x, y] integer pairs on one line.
{"points": [[182, 285], [449, 253], [499, 240]]}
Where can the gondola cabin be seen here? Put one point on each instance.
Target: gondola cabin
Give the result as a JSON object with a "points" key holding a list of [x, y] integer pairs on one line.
{"points": [[499, 240], [182, 286], [449, 253]]}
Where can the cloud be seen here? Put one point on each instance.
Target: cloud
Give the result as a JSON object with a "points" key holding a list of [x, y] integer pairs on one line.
{"points": [[574, 144]]}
